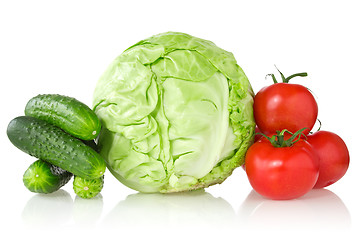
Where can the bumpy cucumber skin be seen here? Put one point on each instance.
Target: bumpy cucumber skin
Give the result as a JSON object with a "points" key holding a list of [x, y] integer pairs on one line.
{"points": [[67, 113], [87, 188], [43, 177], [49, 143]]}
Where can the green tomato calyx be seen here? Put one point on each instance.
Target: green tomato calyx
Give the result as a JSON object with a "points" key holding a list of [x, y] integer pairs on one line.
{"points": [[279, 140], [286, 80]]}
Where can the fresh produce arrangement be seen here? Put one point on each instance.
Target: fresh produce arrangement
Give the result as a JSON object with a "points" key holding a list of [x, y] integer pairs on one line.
{"points": [[56, 129], [177, 113], [288, 160]]}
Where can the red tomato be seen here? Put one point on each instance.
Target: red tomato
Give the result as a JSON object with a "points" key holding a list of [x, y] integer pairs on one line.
{"points": [[333, 156], [282, 172], [257, 136], [284, 106]]}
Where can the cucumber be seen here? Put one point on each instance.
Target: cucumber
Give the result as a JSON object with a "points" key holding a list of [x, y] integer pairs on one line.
{"points": [[87, 188], [66, 113], [92, 144], [49, 143], [43, 177]]}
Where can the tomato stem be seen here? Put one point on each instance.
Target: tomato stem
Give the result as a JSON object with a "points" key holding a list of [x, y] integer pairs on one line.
{"points": [[278, 140], [286, 79], [303, 74], [320, 124]]}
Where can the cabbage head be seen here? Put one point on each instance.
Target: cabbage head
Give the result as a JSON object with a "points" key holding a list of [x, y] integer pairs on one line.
{"points": [[176, 112]]}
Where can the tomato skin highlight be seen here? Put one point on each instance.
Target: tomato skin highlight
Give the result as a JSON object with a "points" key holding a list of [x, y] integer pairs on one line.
{"points": [[282, 173], [285, 106], [333, 156]]}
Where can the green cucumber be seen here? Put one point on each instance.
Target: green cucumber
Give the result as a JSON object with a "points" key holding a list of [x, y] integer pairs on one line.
{"points": [[65, 112], [87, 188], [49, 143], [92, 144], [43, 177]]}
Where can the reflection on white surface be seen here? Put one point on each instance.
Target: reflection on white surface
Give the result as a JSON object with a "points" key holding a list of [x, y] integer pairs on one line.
{"points": [[52, 209], [59, 209], [319, 209], [193, 209], [87, 212]]}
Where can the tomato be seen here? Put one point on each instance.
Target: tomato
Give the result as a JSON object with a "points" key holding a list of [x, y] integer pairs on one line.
{"points": [[285, 106], [333, 156], [282, 172], [257, 136]]}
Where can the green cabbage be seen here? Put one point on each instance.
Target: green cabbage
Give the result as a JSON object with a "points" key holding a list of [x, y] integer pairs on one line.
{"points": [[176, 112]]}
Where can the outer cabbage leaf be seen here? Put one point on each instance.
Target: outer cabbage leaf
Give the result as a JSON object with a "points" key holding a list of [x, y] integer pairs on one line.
{"points": [[176, 112]]}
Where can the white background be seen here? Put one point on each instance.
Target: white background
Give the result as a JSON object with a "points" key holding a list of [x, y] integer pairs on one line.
{"points": [[64, 46]]}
